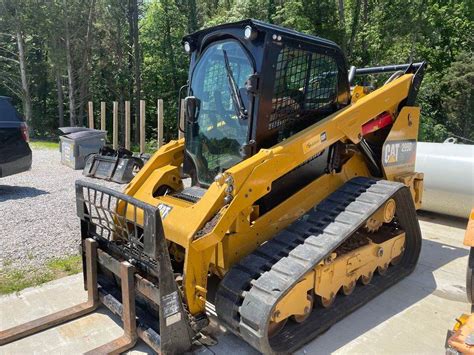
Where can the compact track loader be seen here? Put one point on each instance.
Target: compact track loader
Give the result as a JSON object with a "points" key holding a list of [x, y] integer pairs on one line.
{"points": [[290, 202]]}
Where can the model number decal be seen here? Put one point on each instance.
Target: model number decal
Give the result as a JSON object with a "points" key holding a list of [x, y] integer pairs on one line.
{"points": [[399, 152], [164, 210]]}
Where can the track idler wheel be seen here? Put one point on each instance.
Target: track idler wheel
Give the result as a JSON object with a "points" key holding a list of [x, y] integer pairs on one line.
{"points": [[382, 270], [396, 261], [301, 318], [348, 289]]}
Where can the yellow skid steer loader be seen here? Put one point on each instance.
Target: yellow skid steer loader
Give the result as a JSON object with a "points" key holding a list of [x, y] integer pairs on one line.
{"points": [[290, 202]]}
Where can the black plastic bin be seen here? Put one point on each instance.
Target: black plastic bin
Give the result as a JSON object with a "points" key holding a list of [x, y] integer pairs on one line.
{"points": [[78, 143]]}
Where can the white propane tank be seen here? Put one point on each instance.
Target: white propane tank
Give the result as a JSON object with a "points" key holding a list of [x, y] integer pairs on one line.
{"points": [[449, 177]]}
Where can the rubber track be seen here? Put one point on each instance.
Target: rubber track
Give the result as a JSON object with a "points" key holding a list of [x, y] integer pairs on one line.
{"points": [[248, 293]]}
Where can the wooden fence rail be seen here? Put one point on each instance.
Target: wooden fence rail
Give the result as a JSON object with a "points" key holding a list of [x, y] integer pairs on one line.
{"points": [[91, 115], [102, 116], [127, 125], [159, 123], [127, 118], [115, 125]]}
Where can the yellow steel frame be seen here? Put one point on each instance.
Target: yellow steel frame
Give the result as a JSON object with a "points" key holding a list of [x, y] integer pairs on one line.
{"points": [[239, 229], [350, 267], [329, 277]]}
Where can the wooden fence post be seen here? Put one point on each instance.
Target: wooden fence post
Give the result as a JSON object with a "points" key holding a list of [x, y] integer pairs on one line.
{"points": [[91, 115], [142, 126], [159, 127], [103, 127], [127, 125], [115, 126], [181, 120]]}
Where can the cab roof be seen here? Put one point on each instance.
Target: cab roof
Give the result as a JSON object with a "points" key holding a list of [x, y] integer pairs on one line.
{"points": [[264, 27]]}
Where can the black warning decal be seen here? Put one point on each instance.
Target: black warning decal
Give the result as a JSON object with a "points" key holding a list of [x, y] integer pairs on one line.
{"points": [[170, 304], [170, 308]]}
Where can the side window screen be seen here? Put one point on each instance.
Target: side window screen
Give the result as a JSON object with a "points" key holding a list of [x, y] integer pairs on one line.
{"points": [[305, 87]]}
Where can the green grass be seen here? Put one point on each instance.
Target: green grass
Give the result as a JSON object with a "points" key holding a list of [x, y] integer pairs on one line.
{"points": [[70, 265], [15, 280], [150, 146], [44, 145]]}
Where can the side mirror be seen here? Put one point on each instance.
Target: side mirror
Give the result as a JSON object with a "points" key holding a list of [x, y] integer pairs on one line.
{"points": [[351, 75], [191, 108], [180, 105]]}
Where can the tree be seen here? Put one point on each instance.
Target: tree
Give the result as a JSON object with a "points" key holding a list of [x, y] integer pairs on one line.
{"points": [[56, 55], [136, 62], [70, 69], [458, 102], [192, 16], [165, 62], [14, 24]]}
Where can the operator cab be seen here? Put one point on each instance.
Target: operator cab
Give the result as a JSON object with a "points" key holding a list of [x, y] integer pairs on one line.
{"points": [[252, 85]]}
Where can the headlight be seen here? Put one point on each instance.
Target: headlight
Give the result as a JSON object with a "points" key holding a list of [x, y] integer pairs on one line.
{"points": [[187, 47], [250, 33]]}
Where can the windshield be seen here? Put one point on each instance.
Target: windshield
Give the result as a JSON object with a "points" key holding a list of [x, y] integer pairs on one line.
{"points": [[214, 141]]}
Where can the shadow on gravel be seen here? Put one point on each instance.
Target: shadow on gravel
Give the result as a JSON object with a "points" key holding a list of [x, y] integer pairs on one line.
{"points": [[19, 192]]}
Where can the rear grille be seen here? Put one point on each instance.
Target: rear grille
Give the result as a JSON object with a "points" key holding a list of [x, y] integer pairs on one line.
{"points": [[305, 83], [192, 194]]}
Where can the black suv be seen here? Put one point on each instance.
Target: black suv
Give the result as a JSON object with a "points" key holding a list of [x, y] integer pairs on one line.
{"points": [[15, 153]]}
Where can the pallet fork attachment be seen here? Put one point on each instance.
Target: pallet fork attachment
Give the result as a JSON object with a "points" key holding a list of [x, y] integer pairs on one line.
{"points": [[129, 337], [52, 320], [116, 246]]}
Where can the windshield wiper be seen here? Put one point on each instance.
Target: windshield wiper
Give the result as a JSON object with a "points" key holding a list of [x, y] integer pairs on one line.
{"points": [[234, 90]]}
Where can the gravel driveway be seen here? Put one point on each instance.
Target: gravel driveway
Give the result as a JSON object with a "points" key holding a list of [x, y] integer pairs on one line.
{"points": [[38, 213]]}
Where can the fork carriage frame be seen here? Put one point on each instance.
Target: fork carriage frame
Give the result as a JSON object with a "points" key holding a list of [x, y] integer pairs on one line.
{"points": [[103, 233]]}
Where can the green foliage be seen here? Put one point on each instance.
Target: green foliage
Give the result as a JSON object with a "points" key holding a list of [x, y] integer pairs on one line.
{"points": [[458, 103], [165, 62], [371, 32]]}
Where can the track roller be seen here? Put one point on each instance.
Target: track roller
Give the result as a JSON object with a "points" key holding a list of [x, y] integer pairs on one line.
{"points": [[327, 302], [382, 270], [308, 309], [348, 289], [365, 279]]}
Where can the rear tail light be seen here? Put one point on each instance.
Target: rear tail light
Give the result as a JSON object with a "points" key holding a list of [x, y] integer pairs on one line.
{"points": [[381, 121], [24, 132]]}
